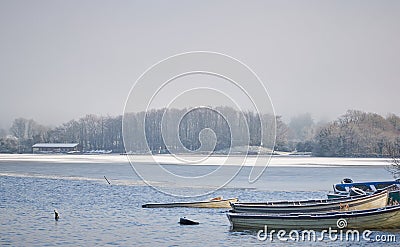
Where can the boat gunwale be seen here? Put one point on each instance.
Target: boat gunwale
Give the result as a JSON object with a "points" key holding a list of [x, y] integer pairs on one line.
{"points": [[357, 200]]}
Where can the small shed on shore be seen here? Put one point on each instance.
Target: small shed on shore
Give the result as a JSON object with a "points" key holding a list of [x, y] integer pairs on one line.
{"points": [[54, 147]]}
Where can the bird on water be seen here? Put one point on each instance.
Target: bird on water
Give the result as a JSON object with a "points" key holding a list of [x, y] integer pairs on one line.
{"points": [[56, 215]]}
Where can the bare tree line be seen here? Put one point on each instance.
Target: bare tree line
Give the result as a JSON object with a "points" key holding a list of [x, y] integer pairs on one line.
{"points": [[355, 134], [180, 130], [91, 132], [359, 134], [105, 133]]}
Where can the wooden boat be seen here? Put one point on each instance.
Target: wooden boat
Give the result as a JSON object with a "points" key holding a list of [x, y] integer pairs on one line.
{"points": [[212, 203], [378, 200], [348, 188], [371, 219]]}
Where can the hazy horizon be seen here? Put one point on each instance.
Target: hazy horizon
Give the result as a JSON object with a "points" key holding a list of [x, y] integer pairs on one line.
{"points": [[63, 60]]}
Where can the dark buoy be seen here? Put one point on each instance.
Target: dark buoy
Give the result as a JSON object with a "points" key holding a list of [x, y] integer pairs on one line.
{"points": [[184, 221], [56, 215]]}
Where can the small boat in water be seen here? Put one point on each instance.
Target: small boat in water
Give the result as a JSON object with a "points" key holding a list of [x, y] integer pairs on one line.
{"points": [[217, 202], [372, 219], [377, 200], [348, 188]]}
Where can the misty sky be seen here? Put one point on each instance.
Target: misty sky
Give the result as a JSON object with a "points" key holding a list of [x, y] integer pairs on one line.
{"points": [[60, 60]]}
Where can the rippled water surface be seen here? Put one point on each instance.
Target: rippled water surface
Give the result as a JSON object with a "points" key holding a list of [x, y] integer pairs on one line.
{"points": [[92, 212]]}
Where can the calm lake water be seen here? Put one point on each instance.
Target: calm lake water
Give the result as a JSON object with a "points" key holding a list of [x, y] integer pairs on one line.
{"points": [[92, 212]]}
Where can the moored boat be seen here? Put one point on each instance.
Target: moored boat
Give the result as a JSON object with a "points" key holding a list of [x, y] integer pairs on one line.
{"points": [[377, 200], [372, 219], [213, 203], [348, 188]]}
